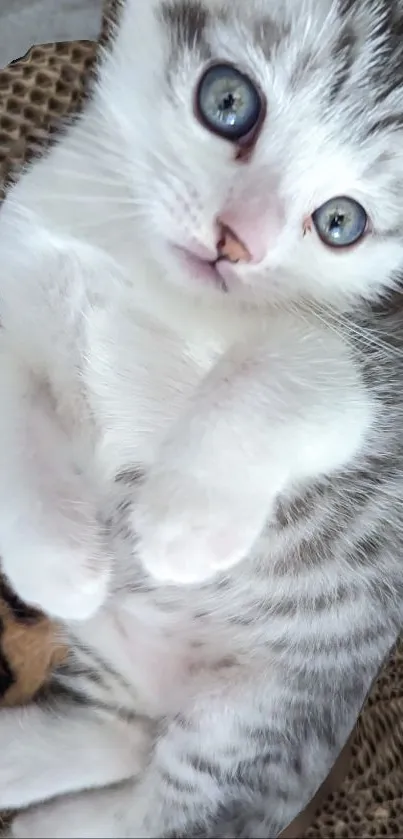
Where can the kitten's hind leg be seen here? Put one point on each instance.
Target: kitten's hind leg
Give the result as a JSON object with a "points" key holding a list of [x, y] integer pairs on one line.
{"points": [[48, 752], [234, 768], [51, 545]]}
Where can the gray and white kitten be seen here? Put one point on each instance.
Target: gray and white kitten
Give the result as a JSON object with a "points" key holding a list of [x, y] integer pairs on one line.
{"points": [[201, 377]]}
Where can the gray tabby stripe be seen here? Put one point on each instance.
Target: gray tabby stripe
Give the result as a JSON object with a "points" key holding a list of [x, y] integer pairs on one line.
{"points": [[187, 22], [393, 122], [88, 658], [181, 786], [55, 694], [268, 35], [344, 53], [130, 476], [205, 767], [67, 692], [346, 7]]}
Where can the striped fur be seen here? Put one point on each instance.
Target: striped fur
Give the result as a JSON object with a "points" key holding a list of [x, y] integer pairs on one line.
{"points": [[276, 662]]}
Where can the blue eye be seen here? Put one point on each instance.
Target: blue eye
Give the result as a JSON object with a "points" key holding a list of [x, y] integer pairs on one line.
{"points": [[340, 222], [228, 103]]}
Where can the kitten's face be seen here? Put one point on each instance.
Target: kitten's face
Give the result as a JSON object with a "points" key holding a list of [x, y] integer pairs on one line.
{"points": [[281, 119]]}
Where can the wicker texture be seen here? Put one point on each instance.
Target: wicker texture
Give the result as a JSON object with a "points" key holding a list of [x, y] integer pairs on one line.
{"points": [[35, 94]]}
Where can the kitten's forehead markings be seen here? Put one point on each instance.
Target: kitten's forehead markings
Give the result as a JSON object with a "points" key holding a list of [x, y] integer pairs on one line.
{"points": [[268, 35], [346, 6], [130, 476], [187, 21], [344, 53], [392, 122]]}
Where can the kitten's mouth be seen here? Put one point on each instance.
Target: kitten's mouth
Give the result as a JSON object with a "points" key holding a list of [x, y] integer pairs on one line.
{"points": [[229, 252], [203, 270]]}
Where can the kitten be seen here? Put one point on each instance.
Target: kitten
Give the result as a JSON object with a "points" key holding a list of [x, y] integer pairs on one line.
{"points": [[201, 376]]}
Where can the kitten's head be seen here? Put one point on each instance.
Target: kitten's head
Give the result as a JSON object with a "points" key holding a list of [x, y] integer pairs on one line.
{"points": [[268, 132]]}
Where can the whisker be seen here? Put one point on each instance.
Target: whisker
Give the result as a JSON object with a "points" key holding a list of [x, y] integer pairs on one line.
{"points": [[115, 179], [88, 199], [97, 144], [97, 224], [372, 341], [86, 177], [341, 325]]}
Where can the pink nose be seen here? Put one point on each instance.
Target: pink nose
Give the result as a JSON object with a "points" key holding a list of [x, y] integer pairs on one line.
{"points": [[229, 246], [255, 222]]}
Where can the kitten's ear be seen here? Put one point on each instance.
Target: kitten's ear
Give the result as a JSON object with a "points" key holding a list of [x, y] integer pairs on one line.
{"points": [[137, 14], [138, 22], [137, 51]]}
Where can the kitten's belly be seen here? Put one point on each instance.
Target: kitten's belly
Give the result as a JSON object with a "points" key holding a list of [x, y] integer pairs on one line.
{"points": [[167, 660]]}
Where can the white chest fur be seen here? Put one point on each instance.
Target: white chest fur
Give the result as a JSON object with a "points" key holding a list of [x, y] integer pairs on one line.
{"points": [[141, 372]]}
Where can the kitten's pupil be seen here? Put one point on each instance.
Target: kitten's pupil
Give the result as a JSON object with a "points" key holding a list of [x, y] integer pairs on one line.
{"points": [[228, 102], [227, 108], [337, 222]]}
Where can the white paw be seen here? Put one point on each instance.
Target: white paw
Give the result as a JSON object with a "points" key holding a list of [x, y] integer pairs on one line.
{"points": [[63, 583], [187, 532]]}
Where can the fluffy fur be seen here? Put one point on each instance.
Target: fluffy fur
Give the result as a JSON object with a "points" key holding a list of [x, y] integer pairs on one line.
{"points": [[211, 481]]}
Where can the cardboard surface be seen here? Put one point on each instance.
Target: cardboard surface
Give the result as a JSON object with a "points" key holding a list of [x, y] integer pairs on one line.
{"points": [[24, 23]]}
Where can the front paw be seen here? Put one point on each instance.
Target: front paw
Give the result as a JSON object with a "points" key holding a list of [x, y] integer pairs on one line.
{"points": [[187, 532], [65, 583]]}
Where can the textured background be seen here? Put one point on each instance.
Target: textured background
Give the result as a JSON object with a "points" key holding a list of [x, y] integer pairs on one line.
{"points": [[27, 22]]}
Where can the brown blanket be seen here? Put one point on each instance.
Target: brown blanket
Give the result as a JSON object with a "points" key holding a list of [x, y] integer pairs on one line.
{"points": [[34, 94]]}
